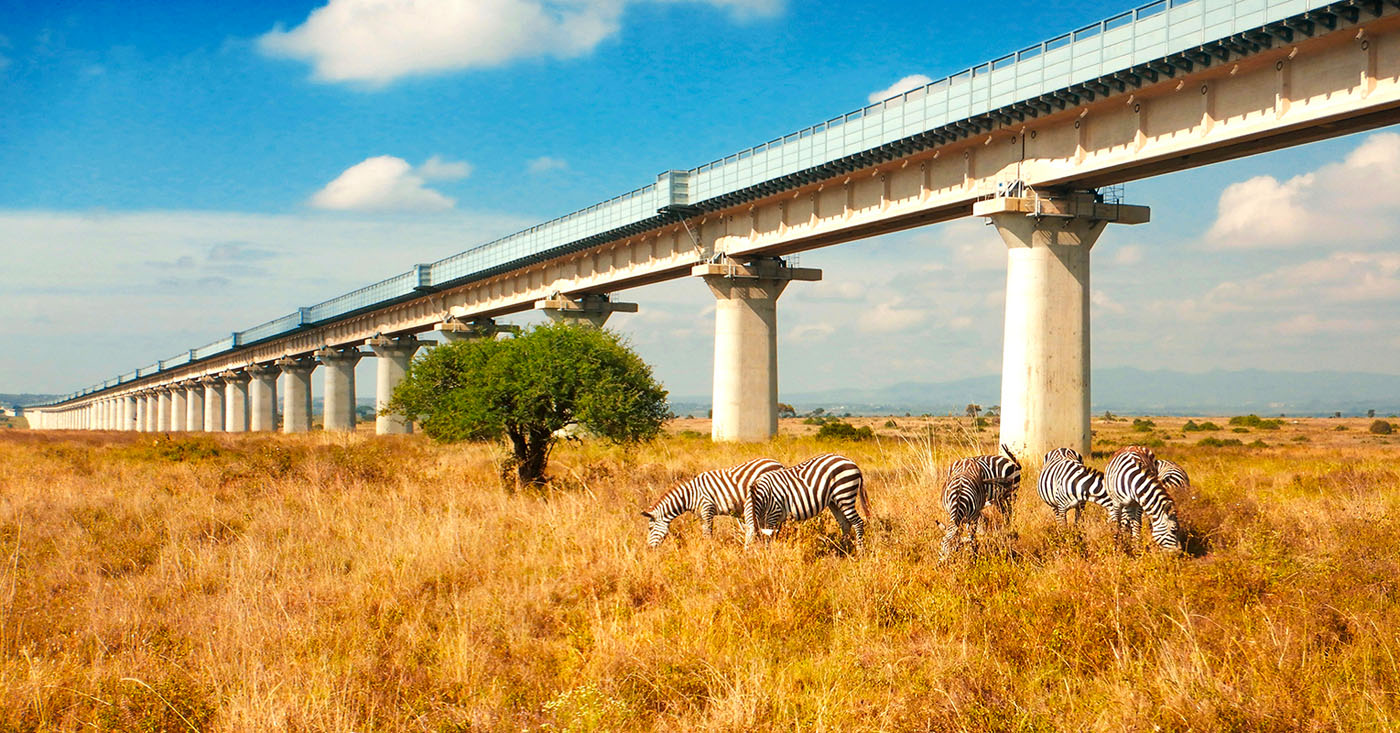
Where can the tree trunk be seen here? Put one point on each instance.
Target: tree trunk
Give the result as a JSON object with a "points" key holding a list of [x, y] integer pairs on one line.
{"points": [[531, 455]]}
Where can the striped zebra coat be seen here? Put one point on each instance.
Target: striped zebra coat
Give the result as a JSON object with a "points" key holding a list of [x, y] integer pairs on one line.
{"points": [[803, 491], [965, 494], [720, 491], [1172, 475], [1003, 474], [1135, 489], [1066, 483]]}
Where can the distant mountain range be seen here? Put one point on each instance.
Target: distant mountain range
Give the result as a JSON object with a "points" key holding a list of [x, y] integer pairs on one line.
{"points": [[1125, 390]]}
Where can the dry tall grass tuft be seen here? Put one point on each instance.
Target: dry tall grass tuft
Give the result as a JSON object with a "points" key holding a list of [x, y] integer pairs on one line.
{"points": [[323, 582]]}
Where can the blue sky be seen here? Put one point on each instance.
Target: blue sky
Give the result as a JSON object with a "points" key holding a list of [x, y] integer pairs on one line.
{"points": [[177, 171]]}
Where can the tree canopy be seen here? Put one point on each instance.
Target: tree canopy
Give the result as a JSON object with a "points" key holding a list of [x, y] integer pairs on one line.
{"points": [[524, 389]]}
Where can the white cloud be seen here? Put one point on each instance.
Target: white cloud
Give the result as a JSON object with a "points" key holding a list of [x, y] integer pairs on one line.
{"points": [[1345, 203], [913, 81], [545, 164], [1128, 254], [180, 279], [385, 183], [437, 169], [378, 41]]}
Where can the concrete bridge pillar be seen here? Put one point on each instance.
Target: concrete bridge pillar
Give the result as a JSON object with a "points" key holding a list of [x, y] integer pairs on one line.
{"points": [[162, 410], [262, 398], [593, 308], [128, 412], [745, 398], [296, 393], [152, 412], [109, 414], [178, 411], [339, 401], [235, 401], [213, 404], [453, 330], [394, 356], [194, 406], [1045, 391]]}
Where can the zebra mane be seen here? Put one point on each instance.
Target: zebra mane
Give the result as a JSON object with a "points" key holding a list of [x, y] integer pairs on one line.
{"points": [[672, 504]]}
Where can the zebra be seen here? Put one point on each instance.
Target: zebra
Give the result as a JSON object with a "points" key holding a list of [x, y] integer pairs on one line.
{"points": [[965, 494], [1066, 483], [1134, 488], [1004, 475], [718, 491], [826, 481], [1172, 475]]}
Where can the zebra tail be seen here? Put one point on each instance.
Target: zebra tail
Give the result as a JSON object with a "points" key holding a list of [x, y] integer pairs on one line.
{"points": [[864, 500]]}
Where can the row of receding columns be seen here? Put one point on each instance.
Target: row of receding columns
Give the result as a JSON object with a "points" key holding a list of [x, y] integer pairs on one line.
{"points": [[1045, 363]]}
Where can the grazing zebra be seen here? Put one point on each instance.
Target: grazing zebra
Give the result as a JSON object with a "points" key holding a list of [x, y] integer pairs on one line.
{"points": [[1004, 476], [1066, 483], [720, 491], [1134, 488], [964, 496], [827, 481], [1172, 475]]}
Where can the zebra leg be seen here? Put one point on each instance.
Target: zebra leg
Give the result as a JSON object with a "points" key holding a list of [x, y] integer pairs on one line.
{"points": [[950, 540], [851, 523], [1060, 513], [707, 518], [972, 538]]}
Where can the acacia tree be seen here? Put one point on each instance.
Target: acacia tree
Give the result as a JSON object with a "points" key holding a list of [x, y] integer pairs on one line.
{"points": [[524, 389]]}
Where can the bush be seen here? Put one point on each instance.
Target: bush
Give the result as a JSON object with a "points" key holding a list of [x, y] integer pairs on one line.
{"points": [[1254, 421], [1143, 426], [842, 430], [814, 421], [891, 423], [1192, 426], [525, 389], [1239, 430], [1381, 427], [1218, 443], [1340, 428]]}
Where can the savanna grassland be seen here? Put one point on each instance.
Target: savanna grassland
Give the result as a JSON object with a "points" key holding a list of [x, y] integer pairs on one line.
{"points": [[323, 582]]}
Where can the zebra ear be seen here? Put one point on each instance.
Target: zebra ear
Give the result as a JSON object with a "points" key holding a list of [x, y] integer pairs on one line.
{"points": [[648, 515], [1010, 455]]}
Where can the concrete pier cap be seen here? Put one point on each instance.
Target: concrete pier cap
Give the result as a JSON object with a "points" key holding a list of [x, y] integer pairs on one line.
{"points": [[1045, 390], [746, 290], [453, 329], [591, 308]]}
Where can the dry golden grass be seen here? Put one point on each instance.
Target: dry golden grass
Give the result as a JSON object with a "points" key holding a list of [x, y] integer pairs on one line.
{"points": [[320, 582]]}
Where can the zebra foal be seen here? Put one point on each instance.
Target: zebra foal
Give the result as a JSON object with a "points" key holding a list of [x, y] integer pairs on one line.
{"points": [[973, 484], [1134, 488], [1066, 483], [826, 481], [719, 491]]}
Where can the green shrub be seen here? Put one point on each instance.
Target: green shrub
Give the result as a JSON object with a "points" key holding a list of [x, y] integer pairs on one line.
{"points": [[1218, 443], [1254, 421], [1381, 427], [1143, 426], [891, 423], [814, 421], [1192, 426], [1239, 430], [1339, 428], [842, 430]]}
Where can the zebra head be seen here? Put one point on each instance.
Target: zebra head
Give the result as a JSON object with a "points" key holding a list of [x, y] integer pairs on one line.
{"points": [[658, 526], [1166, 532], [1063, 454]]}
